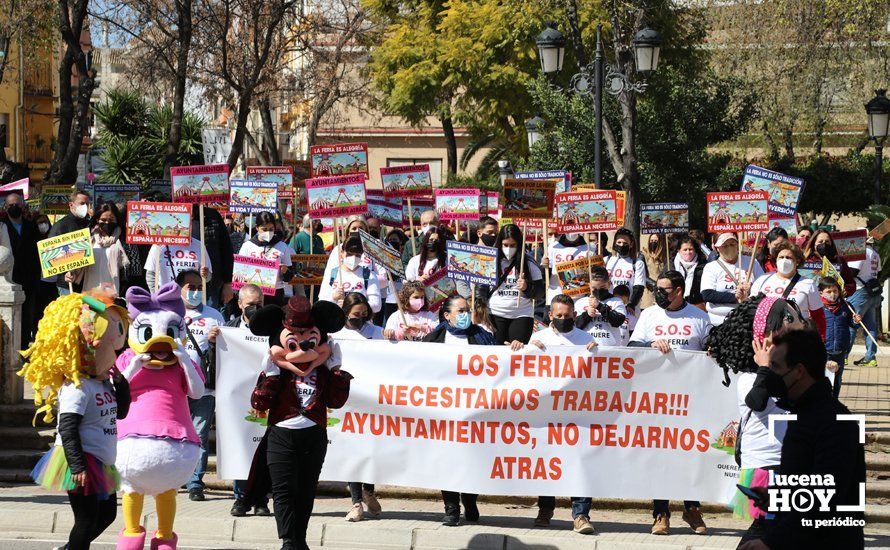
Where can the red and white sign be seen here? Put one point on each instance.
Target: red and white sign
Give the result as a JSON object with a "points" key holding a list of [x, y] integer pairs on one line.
{"points": [[161, 223]]}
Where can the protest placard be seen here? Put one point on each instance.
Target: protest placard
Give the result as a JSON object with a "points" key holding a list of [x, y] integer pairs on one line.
{"points": [[161, 223], [418, 207], [382, 255], [337, 196], [850, 244], [489, 205], [251, 197], [282, 176], [564, 185], [788, 224], [784, 191], [529, 198], [738, 211], [65, 252], [388, 211], [202, 184], [118, 194], [620, 205], [438, 288], [457, 204], [216, 144], [21, 186], [574, 275], [157, 191], [339, 159], [664, 217], [257, 271], [408, 181], [308, 268], [54, 199], [472, 263], [586, 211], [881, 230]]}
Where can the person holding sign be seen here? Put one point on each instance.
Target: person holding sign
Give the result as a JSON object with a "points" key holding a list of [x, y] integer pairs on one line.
{"points": [[821, 245], [520, 283], [75, 220], [431, 257], [351, 276], [565, 249], [267, 245], [414, 320], [867, 302], [626, 266], [673, 325], [111, 258], [165, 263], [724, 281], [353, 226], [787, 283], [690, 260], [601, 315]]}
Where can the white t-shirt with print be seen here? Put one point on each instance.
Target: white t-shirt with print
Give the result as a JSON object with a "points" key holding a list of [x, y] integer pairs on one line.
{"points": [[868, 268], [412, 270], [365, 261], [96, 403], [182, 258], [604, 334], [551, 337], [684, 329], [503, 302], [305, 386], [715, 277], [351, 281], [199, 323], [279, 252], [805, 292], [623, 271], [558, 254]]}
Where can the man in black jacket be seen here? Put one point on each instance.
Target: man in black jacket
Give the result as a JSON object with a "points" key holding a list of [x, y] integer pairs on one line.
{"points": [[78, 218], [219, 252], [23, 237], [817, 444]]}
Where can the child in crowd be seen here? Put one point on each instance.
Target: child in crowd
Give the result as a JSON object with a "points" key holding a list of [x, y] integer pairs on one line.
{"points": [[839, 319], [622, 292], [414, 320]]}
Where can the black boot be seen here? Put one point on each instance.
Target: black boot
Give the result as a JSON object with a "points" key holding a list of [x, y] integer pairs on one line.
{"points": [[452, 516], [471, 511]]}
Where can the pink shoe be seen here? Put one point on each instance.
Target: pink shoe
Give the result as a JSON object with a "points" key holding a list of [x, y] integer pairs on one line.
{"points": [[164, 544], [126, 542]]}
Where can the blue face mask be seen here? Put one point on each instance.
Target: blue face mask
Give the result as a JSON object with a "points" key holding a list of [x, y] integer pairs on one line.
{"points": [[462, 321], [193, 297]]}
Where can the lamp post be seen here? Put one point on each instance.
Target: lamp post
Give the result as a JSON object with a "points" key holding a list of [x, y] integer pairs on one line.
{"points": [[592, 78], [534, 128], [878, 111]]}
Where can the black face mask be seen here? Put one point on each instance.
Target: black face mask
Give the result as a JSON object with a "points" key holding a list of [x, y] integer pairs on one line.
{"points": [[249, 310], [14, 211], [356, 322], [394, 244], [108, 228], [823, 249], [488, 240], [432, 246], [601, 293], [563, 325], [662, 299], [622, 249]]}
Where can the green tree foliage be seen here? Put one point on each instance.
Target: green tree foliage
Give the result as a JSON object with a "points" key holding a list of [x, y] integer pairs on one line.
{"points": [[133, 137]]}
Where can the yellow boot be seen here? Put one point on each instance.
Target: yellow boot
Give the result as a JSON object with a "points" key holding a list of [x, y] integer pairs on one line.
{"points": [[132, 537], [165, 507]]}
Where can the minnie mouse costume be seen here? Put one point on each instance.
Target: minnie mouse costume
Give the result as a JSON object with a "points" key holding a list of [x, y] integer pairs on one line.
{"points": [[301, 379]]}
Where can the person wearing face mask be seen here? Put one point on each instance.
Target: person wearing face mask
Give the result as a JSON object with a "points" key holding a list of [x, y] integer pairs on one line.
{"points": [[766, 256], [77, 218], [600, 314], [518, 287], [820, 246], [308, 239], [111, 258], [758, 448], [172, 260], [724, 283], [673, 325], [565, 248], [690, 261], [203, 324], [804, 234], [237, 235], [353, 225], [396, 240], [267, 245], [430, 257], [23, 237], [457, 329], [218, 246], [428, 219], [351, 276], [819, 441], [626, 266], [487, 232], [789, 284], [415, 320]]}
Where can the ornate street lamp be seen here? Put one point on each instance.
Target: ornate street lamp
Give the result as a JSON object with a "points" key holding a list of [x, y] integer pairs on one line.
{"points": [[878, 111], [551, 48], [534, 127], [647, 46]]}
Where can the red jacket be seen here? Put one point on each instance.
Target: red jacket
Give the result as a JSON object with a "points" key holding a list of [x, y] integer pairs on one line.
{"points": [[272, 394]]}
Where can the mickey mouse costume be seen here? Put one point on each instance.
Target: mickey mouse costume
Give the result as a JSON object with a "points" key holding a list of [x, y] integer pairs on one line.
{"points": [[301, 379]]}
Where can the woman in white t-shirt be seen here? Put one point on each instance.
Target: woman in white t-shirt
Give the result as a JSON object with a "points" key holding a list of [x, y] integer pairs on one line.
{"points": [[803, 290], [430, 258], [627, 267], [174, 259], [353, 225], [512, 300], [266, 244], [350, 276], [415, 320], [565, 248]]}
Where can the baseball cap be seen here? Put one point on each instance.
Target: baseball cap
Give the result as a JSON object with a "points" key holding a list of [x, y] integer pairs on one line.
{"points": [[721, 240]]}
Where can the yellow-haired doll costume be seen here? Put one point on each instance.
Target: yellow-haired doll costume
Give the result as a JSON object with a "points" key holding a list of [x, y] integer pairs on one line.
{"points": [[70, 365]]}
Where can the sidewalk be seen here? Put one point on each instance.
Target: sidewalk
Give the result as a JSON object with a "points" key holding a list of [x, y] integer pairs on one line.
{"points": [[28, 512]]}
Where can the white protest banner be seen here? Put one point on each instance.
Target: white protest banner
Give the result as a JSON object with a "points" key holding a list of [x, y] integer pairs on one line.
{"points": [[217, 144], [560, 422], [239, 428]]}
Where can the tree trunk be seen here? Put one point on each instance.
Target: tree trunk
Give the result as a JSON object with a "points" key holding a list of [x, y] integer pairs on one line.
{"points": [[788, 139], [270, 141], [450, 144], [184, 35], [241, 128], [773, 149]]}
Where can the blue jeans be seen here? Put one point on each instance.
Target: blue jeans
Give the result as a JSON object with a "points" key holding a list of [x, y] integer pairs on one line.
{"points": [[867, 307], [580, 505], [202, 416], [239, 488]]}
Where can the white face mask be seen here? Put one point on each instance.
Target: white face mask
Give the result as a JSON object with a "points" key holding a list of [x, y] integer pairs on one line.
{"points": [[509, 251], [424, 229], [785, 266], [43, 227], [572, 237], [81, 211], [264, 236], [351, 262]]}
